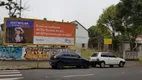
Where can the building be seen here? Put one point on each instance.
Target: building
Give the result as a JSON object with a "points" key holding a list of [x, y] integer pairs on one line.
{"points": [[82, 36], [136, 52]]}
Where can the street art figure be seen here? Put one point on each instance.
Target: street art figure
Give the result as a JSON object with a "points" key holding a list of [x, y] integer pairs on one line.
{"points": [[19, 38]]}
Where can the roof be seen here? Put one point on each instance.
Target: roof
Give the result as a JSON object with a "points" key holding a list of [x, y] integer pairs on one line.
{"points": [[80, 24]]}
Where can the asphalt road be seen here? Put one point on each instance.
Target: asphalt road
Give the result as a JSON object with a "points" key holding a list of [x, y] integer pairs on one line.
{"points": [[127, 73]]}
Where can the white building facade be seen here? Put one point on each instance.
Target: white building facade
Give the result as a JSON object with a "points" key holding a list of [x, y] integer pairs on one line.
{"points": [[82, 36]]}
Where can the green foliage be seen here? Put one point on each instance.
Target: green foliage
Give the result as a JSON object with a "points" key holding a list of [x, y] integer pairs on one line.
{"points": [[97, 34], [103, 31], [109, 19], [45, 19], [124, 20], [130, 14], [87, 53]]}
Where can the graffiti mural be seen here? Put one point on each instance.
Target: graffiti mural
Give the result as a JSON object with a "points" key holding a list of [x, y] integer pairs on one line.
{"points": [[10, 52], [40, 53], [29, 53], [36, 53]]}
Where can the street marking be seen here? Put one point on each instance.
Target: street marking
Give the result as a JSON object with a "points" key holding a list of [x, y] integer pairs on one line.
{"points": [[12, 78], [78, 75], [11, 75], [9, 71]]}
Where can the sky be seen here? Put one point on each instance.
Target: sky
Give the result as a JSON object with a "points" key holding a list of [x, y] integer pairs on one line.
{"points": [[86, 12]]}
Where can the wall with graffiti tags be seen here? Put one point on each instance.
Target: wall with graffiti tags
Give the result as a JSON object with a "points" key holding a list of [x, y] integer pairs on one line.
{"points": [[10, 52], [29, 53], [41, 53]]}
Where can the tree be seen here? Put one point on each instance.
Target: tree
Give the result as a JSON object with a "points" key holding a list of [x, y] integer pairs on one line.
{"points": [[13, 8], [94, 38], [97, 34], [103, 31], [45, 19], [130, 14], [109, 19]]}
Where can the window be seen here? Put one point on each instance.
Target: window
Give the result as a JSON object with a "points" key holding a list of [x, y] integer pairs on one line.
{"points": [[83, 45], [74, 55], [66, 55], [111, 55], [76, 26], [104, 55], [95, 55], [64, 46]]}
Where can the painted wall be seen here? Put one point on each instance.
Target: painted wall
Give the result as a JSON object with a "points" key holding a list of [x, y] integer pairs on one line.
{"points": [[10, 52], [82, 36], [29, 53]]}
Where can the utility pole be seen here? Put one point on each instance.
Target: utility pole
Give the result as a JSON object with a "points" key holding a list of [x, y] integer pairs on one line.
{"points": [[20, 8]]}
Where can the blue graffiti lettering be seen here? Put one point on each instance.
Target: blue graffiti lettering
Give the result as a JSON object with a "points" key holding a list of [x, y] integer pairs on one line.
{"points": [[10, 52]]}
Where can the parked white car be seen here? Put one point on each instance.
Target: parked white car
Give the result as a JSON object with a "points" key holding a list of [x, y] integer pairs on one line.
{"points": [[106, 58]]}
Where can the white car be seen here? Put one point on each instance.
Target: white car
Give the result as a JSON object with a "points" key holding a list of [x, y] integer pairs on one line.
{"points": [[106, 58]]}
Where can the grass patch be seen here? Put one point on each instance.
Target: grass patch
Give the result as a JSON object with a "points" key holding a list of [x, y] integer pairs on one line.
{"points": [[140, 59], [87, 53]]}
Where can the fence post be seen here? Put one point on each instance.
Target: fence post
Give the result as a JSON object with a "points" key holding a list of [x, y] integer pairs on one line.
{"points": [[124, 54]]}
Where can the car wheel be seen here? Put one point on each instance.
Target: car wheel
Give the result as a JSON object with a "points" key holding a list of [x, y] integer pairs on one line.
{"points": [[102, 64], [121, 64], [93, 65], [86, 65], [54, 67], [78, 66], [111, 65], [60, 65]]}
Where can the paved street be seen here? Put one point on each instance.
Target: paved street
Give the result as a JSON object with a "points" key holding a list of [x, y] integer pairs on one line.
{"points": [[45, 64], [127, 73]]}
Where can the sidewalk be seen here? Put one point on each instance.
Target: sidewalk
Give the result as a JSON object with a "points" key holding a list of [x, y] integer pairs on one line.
{"points": [[24, 64], [133, 64], [45, 64]]}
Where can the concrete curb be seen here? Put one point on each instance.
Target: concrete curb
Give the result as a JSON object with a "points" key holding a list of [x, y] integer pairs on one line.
{"points": [[24, 60], [24, 68]]}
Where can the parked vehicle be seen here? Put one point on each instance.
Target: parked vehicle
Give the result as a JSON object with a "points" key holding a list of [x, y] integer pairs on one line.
{"points": [[106, 58], [68, 59]]}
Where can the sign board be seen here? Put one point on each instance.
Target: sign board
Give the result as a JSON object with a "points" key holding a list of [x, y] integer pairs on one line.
{"points": [[38, 32], [139, 39], [107, 41]]}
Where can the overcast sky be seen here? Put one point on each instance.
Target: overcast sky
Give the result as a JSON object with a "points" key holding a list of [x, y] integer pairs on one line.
{"points": [[86, 12]]}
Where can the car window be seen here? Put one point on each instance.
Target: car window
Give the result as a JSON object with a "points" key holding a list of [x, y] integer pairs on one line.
{"points": [[95, 55], [111, 55], [104, 55], [74, 55], [63, 54], [66, 55], [60, 54]]}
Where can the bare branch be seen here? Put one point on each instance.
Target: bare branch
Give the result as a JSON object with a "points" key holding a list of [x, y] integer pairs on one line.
{"points": [[13, 7], [25, 7]]}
